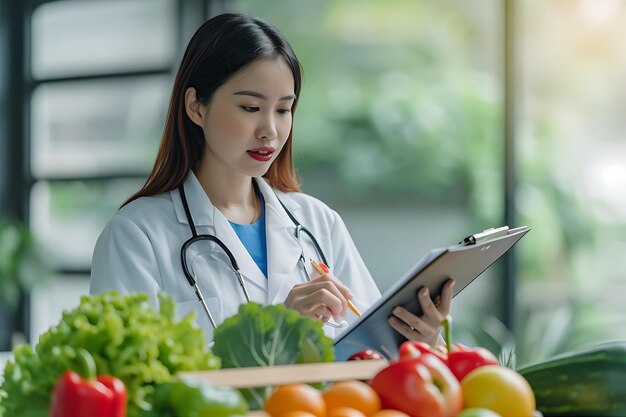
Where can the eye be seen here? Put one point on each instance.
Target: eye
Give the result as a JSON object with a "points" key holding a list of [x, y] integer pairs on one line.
{"points": [[250, 109], [284, 112]]}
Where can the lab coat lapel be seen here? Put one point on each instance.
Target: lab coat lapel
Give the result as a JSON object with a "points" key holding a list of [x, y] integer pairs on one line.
{"points": [[209, 220], [283, 249]]}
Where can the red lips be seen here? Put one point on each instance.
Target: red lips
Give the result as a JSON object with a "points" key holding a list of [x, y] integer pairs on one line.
{"points": [[262, 154]]}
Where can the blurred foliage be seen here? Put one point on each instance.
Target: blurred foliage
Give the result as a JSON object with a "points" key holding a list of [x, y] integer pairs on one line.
{"points": [[21, 264], [402, 102], [416, 122], [573, 177]]}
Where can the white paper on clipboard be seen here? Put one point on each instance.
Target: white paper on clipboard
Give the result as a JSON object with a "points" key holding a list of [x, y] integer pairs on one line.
{"points": [[463, 262]]}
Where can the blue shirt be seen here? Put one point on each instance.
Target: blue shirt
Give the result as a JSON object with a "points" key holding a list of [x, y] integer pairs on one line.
{"points": [[253, 238]]}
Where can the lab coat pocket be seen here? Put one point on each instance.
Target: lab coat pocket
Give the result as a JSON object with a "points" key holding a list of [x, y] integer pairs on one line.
{"points": [[215, 307]]}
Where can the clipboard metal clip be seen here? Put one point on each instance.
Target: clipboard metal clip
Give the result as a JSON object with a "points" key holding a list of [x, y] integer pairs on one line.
{"points": [[486, 234]]}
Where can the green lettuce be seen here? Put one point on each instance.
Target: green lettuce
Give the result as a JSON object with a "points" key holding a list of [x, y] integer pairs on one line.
{"points": [[269, 335], [126, 337]]}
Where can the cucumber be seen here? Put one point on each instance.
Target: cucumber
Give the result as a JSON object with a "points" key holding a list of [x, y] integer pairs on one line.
{"points": [[589, 382]]}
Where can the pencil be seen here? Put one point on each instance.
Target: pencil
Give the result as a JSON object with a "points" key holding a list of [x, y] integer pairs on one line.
{"points": [[323, 269]]}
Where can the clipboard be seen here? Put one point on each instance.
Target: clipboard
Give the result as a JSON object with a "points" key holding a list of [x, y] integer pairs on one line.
{"points": [[463, 262]]}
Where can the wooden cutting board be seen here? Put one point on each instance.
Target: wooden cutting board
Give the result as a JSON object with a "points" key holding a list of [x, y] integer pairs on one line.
{"points": [[289, 374]]}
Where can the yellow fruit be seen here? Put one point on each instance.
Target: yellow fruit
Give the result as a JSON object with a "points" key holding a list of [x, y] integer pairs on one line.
{"points": [[500, 389]]}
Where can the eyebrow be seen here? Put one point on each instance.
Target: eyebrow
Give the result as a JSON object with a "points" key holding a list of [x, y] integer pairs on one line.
{"points": [[262, 96]]}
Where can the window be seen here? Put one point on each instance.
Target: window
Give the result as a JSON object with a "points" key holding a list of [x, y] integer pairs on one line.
{"points": [[102, 74], [572, 179]]}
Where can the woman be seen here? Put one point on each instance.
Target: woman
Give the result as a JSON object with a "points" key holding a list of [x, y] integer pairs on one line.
{"points": [[225, 169]]}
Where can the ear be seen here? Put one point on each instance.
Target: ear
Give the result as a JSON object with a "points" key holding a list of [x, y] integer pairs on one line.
{"points": [[194, 109]]}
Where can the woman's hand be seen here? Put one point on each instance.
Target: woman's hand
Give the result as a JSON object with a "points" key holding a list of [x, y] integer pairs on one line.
{"points": [[320, 298], [427, 327]]}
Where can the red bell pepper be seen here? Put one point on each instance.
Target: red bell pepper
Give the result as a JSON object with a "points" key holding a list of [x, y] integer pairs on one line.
{"points": [[463, 360], [460, 359], [365, 354], [412, 349], [419, 387], [75, 396]]}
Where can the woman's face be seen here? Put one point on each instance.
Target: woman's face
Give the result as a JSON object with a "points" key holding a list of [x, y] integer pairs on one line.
{"points": [[248, 120]]}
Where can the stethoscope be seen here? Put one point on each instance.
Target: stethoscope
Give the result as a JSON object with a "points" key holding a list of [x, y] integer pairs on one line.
{"points": [[300, 229]]}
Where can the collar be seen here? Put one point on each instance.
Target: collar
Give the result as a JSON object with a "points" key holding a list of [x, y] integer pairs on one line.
{"points": [[203, 211]]}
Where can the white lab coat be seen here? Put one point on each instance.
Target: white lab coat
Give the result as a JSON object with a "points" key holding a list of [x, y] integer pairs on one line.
{"points": [[140, 251]]}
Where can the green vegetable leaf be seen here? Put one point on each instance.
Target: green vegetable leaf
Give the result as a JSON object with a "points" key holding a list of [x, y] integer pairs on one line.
{"points": [[126, 337], [269, 335]]}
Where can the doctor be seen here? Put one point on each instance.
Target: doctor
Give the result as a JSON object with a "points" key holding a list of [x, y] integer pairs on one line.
{"points": [[223, 195]]}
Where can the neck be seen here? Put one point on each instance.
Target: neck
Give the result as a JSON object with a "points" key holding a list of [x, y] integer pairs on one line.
{"points": [[233, 196]]}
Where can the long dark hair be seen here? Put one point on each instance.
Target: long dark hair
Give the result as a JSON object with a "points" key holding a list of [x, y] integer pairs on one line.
{"points": [[222, 46]]}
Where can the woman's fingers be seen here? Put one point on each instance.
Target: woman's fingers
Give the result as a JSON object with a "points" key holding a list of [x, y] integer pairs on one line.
{"points": [[323, 298], [434, 311], [345, 291], [402, 328], [431, 314], [418, 330], [310, 296], [335, 286], [322, 313], [428, 326], [445, 300], [416, 324]]}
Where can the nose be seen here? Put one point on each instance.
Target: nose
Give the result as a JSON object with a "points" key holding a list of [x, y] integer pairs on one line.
{"points": [[267, 129]]}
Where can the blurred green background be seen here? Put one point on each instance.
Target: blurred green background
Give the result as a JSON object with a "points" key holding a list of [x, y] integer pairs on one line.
{"points": [[400, 128]]}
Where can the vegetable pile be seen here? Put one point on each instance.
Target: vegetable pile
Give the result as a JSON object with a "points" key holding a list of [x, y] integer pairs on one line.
{"points": [[425, 381], [442, 381], [125, 336]]}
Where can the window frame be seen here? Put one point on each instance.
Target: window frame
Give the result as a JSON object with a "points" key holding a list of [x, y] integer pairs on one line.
{"points": [[16, 89]]}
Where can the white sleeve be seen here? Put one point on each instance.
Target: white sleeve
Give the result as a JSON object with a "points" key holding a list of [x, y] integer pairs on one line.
{"points": [[124, 260], [349, 267]]}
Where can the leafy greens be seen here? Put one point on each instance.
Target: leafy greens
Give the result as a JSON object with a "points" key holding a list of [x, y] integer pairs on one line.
{"points": [[269, 335], [126, 337]]}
